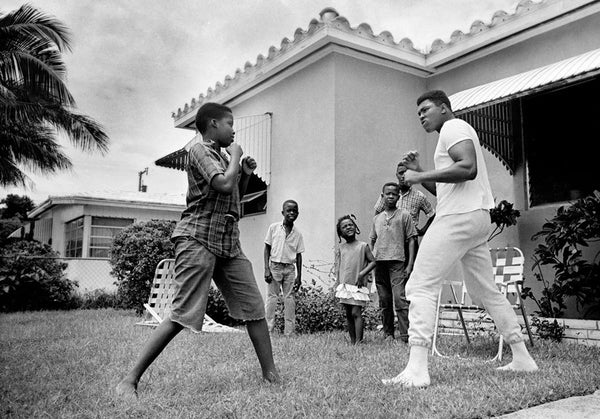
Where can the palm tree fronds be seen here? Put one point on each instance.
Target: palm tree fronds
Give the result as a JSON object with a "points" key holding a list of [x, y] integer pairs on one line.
{"points": [[31, 23]]}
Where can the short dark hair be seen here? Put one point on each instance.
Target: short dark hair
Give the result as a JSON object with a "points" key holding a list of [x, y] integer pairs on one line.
{"points": [[289, 201], [436, 96], [208, 111], [394, 184]]}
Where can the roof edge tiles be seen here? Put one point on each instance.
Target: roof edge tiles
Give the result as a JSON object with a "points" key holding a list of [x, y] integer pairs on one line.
{"points": [[331, 26], [329, 18]]}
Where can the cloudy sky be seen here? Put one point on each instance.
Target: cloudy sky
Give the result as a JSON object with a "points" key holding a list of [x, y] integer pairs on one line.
{"points": [[135, 62]]}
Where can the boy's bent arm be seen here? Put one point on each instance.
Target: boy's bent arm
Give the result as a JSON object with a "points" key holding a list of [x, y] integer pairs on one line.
{"points": [[225, 182]]}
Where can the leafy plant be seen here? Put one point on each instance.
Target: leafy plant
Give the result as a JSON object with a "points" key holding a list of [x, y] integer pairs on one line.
{"points": [[32, 278], [134, 254], [547, 330], [503, 215], [572, 228]]}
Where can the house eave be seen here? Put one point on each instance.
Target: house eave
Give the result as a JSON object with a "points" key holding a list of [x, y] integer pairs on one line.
{"points": [[106, 202], [463, 49]]}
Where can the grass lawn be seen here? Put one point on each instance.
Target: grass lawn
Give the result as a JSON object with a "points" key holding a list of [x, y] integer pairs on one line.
{"points": [[66, 365]]}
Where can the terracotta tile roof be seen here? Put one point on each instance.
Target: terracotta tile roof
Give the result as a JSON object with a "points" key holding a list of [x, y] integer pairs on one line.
{"points": [[330, 18]]}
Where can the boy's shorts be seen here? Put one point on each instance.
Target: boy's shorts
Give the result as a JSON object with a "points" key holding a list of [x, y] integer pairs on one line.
{"points": [[195, 266]]}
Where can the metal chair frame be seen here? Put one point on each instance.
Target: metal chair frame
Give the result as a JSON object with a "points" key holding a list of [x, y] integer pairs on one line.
{"points": [[158, 306], [508, 265]]}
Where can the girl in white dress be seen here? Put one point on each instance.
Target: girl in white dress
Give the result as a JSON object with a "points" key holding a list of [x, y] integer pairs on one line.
{"points": [[353, 262]]}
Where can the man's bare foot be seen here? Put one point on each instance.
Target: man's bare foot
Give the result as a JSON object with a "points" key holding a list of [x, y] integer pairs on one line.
{"points": [[127, 390], [524, 365], [272, 377], [418, 379]]}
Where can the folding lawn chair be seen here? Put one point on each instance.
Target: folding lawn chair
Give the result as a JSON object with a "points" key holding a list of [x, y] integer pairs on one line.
{"points": [[508, 275], [158, 306]]}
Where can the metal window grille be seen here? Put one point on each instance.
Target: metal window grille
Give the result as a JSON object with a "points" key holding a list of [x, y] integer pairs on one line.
{"points": [[495, 127]]}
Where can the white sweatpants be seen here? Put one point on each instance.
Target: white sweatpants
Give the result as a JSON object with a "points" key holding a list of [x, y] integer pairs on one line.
{"points": [[451, 239]]}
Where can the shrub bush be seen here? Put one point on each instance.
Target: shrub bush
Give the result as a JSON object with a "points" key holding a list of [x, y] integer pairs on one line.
{"points": [[134, 254], [31, 278], [318, 310], [98, 299], [572, 228]]}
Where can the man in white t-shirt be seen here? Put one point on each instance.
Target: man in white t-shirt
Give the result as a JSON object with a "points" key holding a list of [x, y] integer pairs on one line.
{"points": [[458, 235]]}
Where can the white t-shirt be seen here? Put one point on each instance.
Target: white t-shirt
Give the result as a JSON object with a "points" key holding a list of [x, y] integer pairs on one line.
{"points": [[471, 195]]}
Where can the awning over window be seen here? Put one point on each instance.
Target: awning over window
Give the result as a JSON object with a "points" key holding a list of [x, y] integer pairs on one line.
{"points": [[252, 196], [584, 65], [252, 133]]}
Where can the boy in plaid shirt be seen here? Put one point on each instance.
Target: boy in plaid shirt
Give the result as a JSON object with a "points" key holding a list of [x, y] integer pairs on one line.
{"points": [[207, 247]]}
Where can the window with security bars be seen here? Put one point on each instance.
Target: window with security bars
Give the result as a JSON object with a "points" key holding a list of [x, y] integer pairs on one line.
{"points": [[74, 238], [542, 132], [104, 230], [495, 127]]}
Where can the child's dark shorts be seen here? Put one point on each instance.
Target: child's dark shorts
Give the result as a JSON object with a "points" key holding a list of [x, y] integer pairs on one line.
{"points": [[195, 266]]}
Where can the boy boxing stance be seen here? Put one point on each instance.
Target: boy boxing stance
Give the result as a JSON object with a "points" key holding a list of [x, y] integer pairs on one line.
{"points": [[207, 247]]}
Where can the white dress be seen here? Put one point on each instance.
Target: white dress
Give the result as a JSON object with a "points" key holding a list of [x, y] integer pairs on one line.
{"points": [[351, 259]]}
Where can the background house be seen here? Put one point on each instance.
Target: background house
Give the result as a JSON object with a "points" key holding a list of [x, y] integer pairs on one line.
{"points": [[81, 228], [338, 104]]}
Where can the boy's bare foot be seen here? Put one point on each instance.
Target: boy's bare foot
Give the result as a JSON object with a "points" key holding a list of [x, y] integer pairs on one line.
{"points": [[272, 377], [127, 390], [418, 379], [524, 365]]}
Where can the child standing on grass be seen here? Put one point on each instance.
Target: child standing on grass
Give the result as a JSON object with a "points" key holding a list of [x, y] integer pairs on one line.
{"points": [[284, 246], [207, 247], [353, 262], [391, 229]]}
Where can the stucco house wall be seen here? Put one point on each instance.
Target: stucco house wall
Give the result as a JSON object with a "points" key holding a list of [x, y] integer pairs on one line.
{"points": [[375, 123], [302, 156]]}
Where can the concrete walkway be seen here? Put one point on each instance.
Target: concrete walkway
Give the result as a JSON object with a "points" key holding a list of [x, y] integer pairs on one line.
{"points": [[580, 407]]}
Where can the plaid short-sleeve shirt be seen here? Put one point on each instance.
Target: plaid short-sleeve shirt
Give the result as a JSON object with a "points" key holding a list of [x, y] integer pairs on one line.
{"points": [[412, 201], [211, 217]]}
